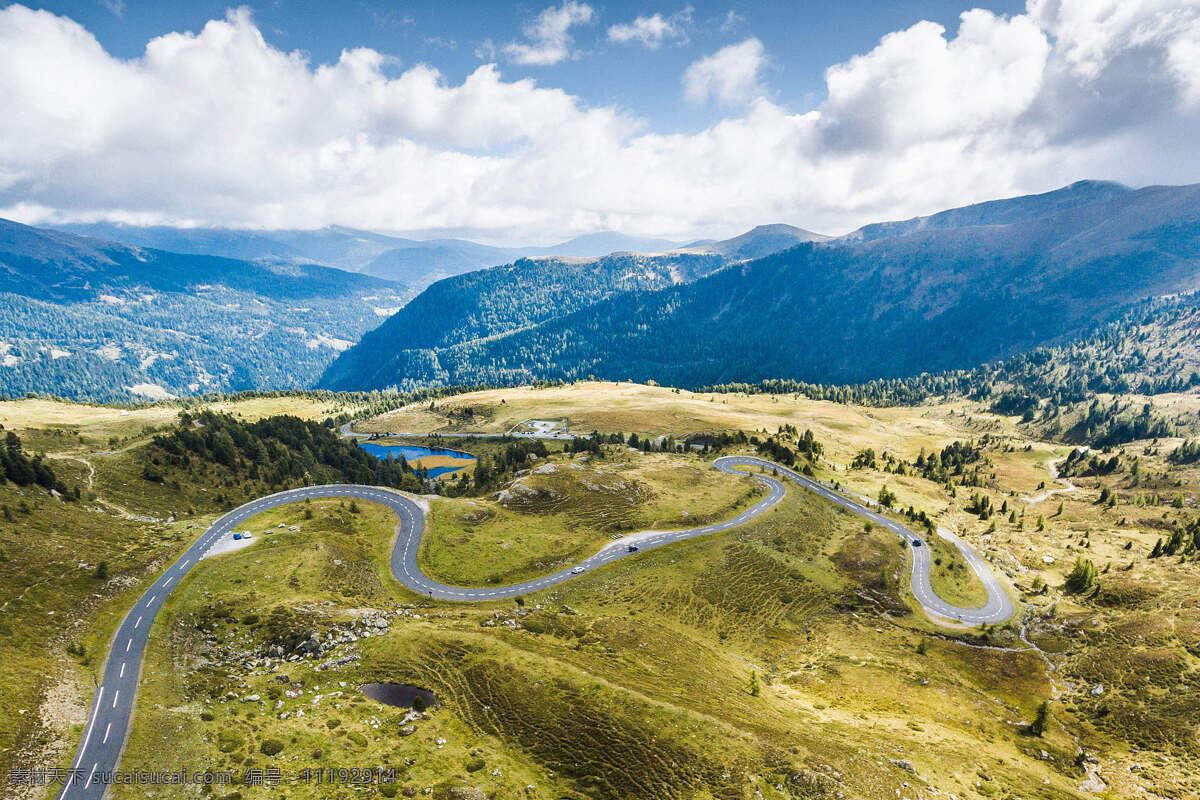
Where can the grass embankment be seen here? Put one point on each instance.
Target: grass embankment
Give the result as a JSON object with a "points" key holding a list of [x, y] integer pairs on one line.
{"points": [[951, 577], [566, 508]]}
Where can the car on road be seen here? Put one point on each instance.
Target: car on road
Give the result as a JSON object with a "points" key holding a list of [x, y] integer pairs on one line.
{"points": [[916, 542], [632, 548], [578, 570]]}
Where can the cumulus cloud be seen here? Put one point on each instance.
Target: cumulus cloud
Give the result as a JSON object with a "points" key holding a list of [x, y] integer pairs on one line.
{"points": [[652, 31], [729, 76], [221, 128], [549, 36]]}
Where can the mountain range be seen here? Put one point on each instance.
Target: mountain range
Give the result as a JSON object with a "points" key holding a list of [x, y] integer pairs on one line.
{"points": [[950, 290], [93, 319], [413, 262]]}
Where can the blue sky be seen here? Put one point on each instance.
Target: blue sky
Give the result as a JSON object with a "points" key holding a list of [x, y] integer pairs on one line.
{"points": [[802, 38], [535, 121]]}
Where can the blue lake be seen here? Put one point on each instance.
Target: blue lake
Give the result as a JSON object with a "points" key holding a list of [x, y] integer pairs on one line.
{"points": [[411, 452]]}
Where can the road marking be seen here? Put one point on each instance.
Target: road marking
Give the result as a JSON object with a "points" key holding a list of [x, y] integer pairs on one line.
{"points": [[107, 728], [128, 644], [122, 675], [139, 622], [93, 772], [88, 735], [116, 694]]}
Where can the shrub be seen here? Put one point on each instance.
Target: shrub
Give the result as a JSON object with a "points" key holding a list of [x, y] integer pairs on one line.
{"points": [[271, 747]]}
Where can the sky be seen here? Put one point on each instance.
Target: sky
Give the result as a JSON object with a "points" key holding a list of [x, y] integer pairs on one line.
{"points": [[531, 122]]}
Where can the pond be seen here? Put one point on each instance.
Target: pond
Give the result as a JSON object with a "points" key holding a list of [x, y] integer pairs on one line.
{"points": [[401, 695], [434, 461]]}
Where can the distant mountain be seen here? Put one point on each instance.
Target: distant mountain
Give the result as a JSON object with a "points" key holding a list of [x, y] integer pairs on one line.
{"points": [[758, 242], [594, 245], [87, 318], [952, 290], [414, 262]]}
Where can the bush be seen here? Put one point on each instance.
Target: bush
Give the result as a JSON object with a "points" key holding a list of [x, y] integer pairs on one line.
{"points": [[419, 703], [206, 716], [476, 764], [101, 571], [333, 723], [271, 747]]}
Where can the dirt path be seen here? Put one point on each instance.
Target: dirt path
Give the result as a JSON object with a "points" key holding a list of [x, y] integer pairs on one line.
{"points": [[112, 508], [1067, 486]]}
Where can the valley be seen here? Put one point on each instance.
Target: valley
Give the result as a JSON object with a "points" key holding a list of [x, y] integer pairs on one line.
{"points": [[654, 650]]}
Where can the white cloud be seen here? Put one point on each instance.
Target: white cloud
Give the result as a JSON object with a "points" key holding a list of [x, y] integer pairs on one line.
{"points": [[652, 31], [729, 76], [917, 86], [221, 128], [549, 35]]}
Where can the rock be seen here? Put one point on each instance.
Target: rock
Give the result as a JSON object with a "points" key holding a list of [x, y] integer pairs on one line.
{"points": [[903, 764], [408, 730], [1097, 690], [251, 698]]}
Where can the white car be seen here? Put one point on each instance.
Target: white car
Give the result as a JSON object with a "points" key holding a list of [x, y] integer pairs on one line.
{"points": [[578, 570]]}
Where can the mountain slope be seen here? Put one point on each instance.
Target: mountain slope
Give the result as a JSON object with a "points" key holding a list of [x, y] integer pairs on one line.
{"points": [[964, 290], [758, 242], [92, 319], [494, 301]]}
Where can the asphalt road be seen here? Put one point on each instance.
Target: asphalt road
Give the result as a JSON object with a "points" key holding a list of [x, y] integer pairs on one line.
{"points": [[107, 727]]}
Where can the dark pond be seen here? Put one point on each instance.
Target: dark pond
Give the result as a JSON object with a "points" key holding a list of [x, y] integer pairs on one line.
{"points": [[400, 695]]}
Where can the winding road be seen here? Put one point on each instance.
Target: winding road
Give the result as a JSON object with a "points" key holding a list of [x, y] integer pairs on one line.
{"points": [[107, 728]]}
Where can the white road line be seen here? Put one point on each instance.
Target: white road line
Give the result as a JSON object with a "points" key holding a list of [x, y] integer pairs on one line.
{"points": [[107, 728], [139, 622], [116, 694], [122, 675], [128, 644], [92, 773], [88, 735]]}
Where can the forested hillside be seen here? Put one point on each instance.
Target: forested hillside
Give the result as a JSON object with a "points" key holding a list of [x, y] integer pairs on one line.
{"points": [[983, 283], [96, 320], [494, 301]]}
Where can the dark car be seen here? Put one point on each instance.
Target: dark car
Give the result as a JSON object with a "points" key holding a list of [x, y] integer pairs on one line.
{"points": [[916, 542], [632, 548]]}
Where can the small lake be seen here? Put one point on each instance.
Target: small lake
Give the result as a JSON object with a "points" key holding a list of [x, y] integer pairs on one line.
{"points": [[400, 695], [413, 454]]}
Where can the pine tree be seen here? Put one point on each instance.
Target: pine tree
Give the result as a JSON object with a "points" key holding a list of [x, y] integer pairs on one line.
{"points": [[1041, 719], [754, 688]]}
